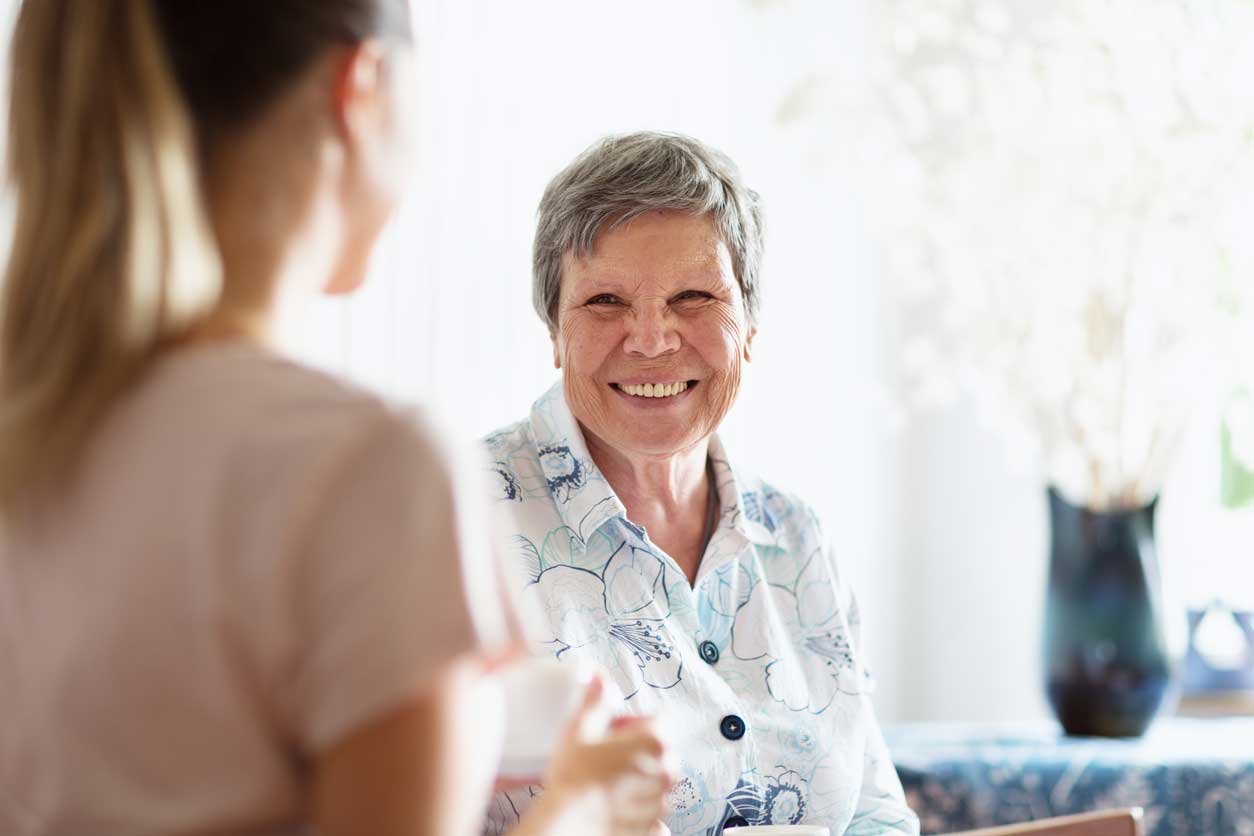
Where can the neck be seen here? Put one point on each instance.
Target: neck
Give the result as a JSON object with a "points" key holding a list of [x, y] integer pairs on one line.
{"points": [[247, 307], [669, 496], [274, 226], [668, 482]]}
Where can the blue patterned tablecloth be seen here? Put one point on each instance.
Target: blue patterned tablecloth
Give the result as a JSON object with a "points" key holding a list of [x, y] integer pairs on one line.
{"points": [[1193, 777]]}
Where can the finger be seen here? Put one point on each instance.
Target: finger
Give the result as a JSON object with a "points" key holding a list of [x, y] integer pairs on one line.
{"points": [[587, 718], [643, 737], [492, 661], [630, 754], [622, 722], [645, 798], [510, 782], [642, 820]]}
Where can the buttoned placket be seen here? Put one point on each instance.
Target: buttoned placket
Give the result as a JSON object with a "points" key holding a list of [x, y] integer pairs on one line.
{"points": [[591, 510]]}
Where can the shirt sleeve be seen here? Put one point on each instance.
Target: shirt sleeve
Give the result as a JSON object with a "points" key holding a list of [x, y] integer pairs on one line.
{"points": [[881, 807], [392, 581], [882, 804]]}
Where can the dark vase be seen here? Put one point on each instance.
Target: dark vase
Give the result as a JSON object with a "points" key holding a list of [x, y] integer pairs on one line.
{"points": [[1106, 662]]}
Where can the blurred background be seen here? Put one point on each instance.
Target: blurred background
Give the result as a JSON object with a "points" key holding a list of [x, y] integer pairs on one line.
{"points": [[1007, 248]]}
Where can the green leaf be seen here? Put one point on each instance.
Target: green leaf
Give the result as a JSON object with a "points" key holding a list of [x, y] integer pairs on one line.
{"points": [[1236, 488]]}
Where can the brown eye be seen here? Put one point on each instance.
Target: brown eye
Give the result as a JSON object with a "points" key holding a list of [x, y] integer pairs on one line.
{"points": [[603, 299]]}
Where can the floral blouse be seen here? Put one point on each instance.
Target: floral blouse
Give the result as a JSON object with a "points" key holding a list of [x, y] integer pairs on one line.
{"points": [[756, 669]]}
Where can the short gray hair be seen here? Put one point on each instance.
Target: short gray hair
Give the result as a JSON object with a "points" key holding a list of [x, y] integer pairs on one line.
{"points": [[622, 177]]}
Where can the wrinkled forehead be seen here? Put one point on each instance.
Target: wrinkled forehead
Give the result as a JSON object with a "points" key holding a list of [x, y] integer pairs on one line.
{"points": [[653, 247]]}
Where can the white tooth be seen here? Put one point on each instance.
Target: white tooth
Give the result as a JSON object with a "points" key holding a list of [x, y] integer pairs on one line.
{"points": [[683, 386], [633, 389], [672, 389], [648, 390]]}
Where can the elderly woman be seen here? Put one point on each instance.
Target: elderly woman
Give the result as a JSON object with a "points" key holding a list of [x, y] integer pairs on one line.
{"points": [[711, 596]]}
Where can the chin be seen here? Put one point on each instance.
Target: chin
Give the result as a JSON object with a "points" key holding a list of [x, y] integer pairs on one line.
{"points": [[343, 282], [656, 444]]}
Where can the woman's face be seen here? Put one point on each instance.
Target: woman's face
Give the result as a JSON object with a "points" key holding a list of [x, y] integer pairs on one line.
{"points": [[651, 334]]}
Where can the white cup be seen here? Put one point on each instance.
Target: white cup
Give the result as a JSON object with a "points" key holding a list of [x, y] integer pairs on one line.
{"points": [[780, 830], [541, 697]]}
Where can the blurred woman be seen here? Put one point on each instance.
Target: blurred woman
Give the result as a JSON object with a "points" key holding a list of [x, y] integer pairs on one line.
{"points": [[236, 595]]}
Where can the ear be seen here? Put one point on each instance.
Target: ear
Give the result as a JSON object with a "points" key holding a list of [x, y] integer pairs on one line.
{"points": [[748, 349], [358, 95], [557, 351], [367, 143]]}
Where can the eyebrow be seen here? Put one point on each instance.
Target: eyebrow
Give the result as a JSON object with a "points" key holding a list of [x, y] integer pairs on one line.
{"points": [[704, 272]]}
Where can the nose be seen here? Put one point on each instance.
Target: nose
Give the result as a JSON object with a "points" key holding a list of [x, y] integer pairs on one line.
{"points": [[651, 332]]}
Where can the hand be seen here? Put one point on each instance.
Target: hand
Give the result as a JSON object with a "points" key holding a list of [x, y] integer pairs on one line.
{"points": [[623, 772]]}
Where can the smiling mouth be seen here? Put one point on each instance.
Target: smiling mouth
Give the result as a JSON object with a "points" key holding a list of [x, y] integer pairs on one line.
{"points": [[655, 390]]}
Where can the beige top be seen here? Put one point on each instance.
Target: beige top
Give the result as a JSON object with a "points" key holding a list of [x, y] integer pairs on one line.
{"points": [[255, 560]]}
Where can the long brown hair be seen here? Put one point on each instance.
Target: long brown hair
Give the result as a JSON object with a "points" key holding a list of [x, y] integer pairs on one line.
{"points": [[112, 106]]}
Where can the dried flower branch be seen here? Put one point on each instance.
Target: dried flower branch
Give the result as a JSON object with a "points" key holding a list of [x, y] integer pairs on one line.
{"points": [[1067, 195]]}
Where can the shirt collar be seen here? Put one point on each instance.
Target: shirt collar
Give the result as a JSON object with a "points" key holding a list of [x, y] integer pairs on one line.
{"points": [[734, 496], [584, 499]]}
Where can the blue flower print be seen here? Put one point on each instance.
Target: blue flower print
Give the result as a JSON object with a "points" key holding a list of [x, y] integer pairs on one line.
{"points": [[799, 738], [515, 464], [814, 662], [718, 599], [781, 800], [693, 808], [601, 617], [784, 800], [565, 473], [511, 489]]}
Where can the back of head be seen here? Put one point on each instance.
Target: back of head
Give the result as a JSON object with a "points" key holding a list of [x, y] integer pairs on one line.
{"points": [[113, 105]]}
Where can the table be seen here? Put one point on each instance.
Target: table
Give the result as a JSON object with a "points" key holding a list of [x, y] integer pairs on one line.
{"points": [[1192, 776]]}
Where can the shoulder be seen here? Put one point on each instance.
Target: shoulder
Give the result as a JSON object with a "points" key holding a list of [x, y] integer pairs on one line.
{"points": [[266, 423], [779, 511], [510, 440], [513, 462], [305, 414]]}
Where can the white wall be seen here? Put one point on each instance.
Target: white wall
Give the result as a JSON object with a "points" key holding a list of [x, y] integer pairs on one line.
{"points": [[511, 92], [945, 544]]}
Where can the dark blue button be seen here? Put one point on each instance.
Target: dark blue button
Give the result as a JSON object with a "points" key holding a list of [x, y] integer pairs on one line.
{"points": [[732, 727], [709, 651], [736, 821]]}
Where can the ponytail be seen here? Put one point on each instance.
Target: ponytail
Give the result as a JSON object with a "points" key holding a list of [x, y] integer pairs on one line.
{"points": [[111, 253]]}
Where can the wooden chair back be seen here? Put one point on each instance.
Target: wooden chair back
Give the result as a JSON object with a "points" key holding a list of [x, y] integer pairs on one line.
{"points": [[1105, 823]]}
